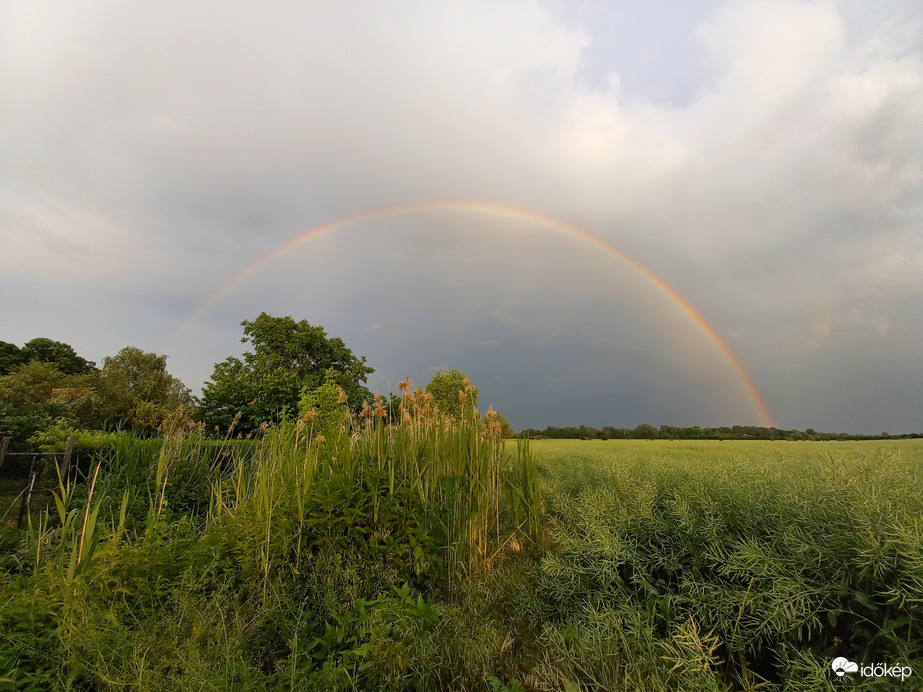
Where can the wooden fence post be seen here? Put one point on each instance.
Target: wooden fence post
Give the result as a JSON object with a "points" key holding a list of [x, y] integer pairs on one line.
{"points": [[66, 463], [3, 445], [27, 496]]}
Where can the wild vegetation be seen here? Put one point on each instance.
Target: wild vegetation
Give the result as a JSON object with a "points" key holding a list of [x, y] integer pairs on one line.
{"points": [[311, 557], [48, 392], [341, 551], [350, 541]]}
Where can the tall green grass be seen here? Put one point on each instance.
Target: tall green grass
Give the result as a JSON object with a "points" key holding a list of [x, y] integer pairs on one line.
{"points": [[452, 466], [352, 553], [185, 562]]}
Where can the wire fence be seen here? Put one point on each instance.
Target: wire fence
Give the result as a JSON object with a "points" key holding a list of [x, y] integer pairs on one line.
{"points": [[38, 463]]}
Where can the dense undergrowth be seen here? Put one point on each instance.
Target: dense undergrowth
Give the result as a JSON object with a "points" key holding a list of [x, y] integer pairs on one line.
{"points": [[339, 554]]}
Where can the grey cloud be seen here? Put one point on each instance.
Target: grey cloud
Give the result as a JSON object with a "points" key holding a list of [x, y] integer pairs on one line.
{"points": [[151, 151]]}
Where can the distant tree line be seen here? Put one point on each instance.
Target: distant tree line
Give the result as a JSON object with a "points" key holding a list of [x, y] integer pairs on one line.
{"points": [[646, 431], [46, 389]]}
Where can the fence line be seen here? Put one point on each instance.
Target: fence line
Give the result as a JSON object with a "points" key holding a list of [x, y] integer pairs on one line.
{"points": [[35, 474]]}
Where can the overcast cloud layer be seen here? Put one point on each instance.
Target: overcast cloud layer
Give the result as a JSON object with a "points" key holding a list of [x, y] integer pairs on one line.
{"points": [[765, 159]]}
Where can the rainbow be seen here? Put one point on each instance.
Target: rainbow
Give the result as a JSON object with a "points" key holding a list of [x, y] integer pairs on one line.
{"points": [[504, 212]]}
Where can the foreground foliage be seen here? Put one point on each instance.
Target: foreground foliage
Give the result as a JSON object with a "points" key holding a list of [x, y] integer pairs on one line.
{"points": [[341, 553]]}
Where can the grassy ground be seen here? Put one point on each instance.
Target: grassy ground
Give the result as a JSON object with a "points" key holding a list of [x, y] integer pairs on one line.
{"points": [[420, 558]]}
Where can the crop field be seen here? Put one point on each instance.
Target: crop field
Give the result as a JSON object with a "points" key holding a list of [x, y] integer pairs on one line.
{"points": [[739, 562], [351, 554]]}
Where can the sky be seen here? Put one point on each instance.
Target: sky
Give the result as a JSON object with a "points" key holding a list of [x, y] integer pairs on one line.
{"points": [[605, 213]]}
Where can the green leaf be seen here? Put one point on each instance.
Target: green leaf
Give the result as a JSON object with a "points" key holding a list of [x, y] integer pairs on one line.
{"points": [[863, 598]]}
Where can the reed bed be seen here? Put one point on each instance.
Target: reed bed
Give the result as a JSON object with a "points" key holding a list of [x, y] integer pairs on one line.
{"points": [[347, 513]]}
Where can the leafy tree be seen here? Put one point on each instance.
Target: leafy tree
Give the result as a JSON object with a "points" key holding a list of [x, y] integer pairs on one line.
{"points": [[446, 387], [287, 358], [10, 357], [31, 400], [135, 388], [21, 423], [32, 383], [645, 431], [587, 433], [145, 376], [41, 383], [57, 353]]}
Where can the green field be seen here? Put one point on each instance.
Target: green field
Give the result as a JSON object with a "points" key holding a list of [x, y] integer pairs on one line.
{"points": [[768, 558], [423, 557], [723, 456], [682, 449]]}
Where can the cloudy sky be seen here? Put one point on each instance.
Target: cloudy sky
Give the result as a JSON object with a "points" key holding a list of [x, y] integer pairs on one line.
{"points": [[697, 205]]}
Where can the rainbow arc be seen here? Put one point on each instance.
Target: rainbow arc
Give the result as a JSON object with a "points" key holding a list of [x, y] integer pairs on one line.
{"points": [[506, 212]]}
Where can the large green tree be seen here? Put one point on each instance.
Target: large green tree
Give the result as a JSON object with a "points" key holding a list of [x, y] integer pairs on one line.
{"points": [[134, 388], [44, 350], [288, 357]]}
